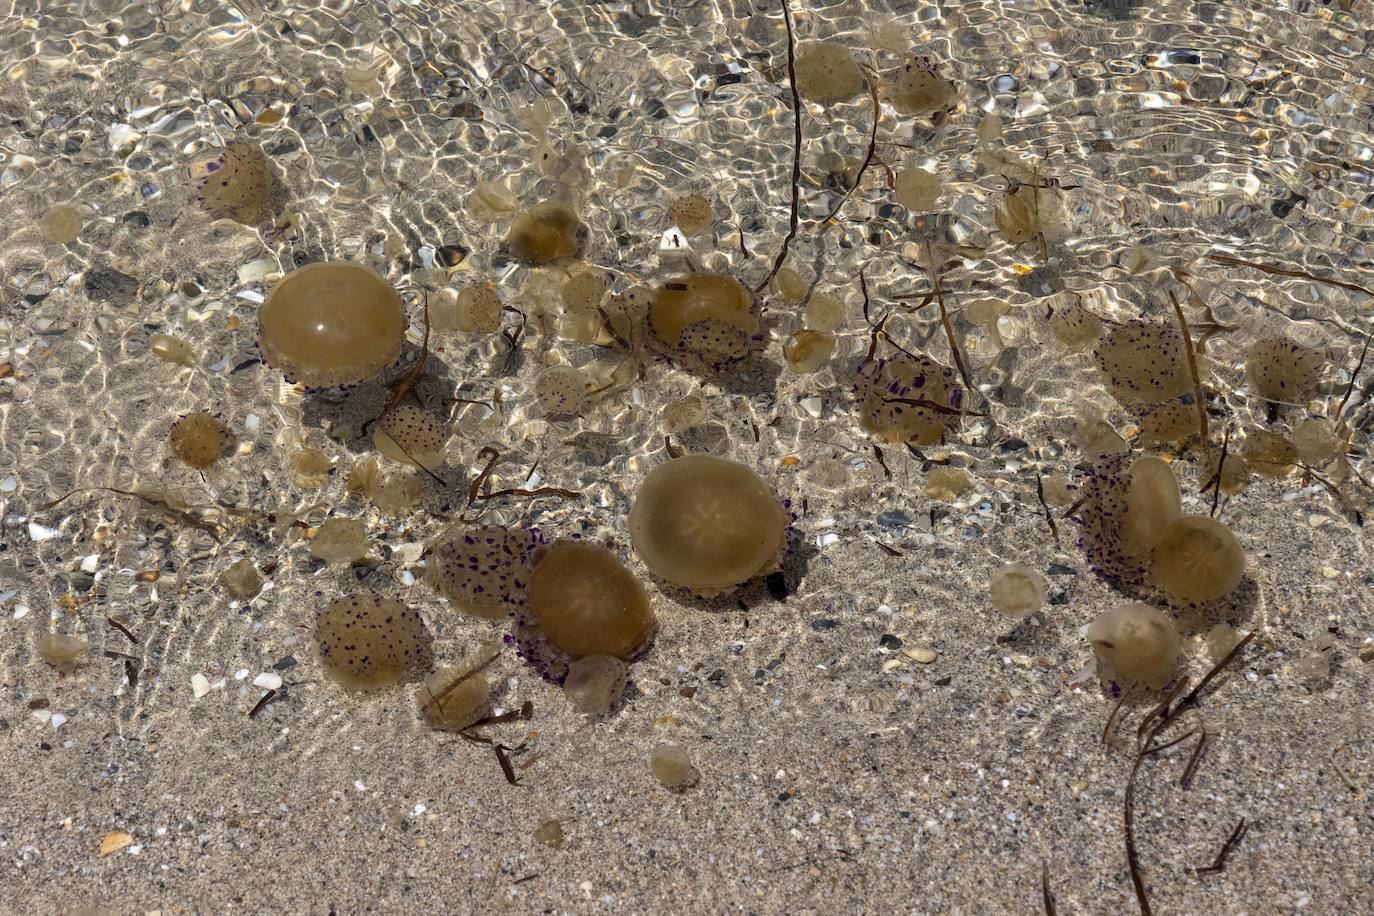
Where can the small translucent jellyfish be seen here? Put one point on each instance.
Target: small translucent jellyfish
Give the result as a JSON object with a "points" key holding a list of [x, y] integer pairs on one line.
{"points": [[241, 185], [1235, 473], [1075, 327], [199, 439], [1144, 363], [483, 571], [595, 683], [917, 190], [789, 286], [684, 413], [1282, 370], [672, 767], [1096, 437], [824, 313], [1032, 211], [340, 540], [310, 468], [364, 476], [584, 290], [454, 697], [1316, 441], [61, 651], [1169, 423], [399, 492], [988, 314], [545, 232], [550, 833], [586, 602], [691, 213], [707, 321], [474, 310], [411, 436], [241, 579], [947, 484], [916, 88], [1269, 454], [562, 391], [1197, 560], [907, 398], [1017, 590], [331, 323], [1059, 492], [172, 349], [1221, 639], [1135, 644], [582, 294], [60, 223], [707, 523], [827, 72], [808, 350], [367, 641]]}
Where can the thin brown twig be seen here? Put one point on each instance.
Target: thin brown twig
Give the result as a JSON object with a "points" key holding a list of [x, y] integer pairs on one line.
{"points": [[408, 382], [1192, 367], [1219, 863], [122, 628], [794, 218], [1049, 516], [1284, 272], [1185, 781], [868, 157], [492, 456], [1364, 351]]}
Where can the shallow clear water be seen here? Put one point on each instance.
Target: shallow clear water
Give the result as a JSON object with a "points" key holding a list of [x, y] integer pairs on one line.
{"points": [[1190, 128]]}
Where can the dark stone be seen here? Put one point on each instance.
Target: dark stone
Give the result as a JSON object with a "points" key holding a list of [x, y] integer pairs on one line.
{"points": [[890, 642], [822, 624], [105, 284], [137, 218], [451, 255], [1058, 569]]}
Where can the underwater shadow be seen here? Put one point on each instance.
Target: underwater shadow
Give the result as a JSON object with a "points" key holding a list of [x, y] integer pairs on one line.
{"points": [[774, 588]]}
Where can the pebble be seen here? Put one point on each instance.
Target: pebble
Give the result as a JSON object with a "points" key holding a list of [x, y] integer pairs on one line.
{"points": [[268, 680], [920, 654], [114, 841]]}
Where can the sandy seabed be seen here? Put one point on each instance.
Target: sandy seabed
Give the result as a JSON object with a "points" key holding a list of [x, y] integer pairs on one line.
{"points": [[880, 740]]}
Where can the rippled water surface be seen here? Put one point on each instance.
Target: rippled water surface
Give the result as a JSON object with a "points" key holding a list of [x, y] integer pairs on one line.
{"points": [[1170, 132]]}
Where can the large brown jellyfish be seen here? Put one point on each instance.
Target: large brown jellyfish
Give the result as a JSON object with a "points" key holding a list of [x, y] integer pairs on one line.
{"points": [[1144, 363], [1124, 510], [707, 523], [483, 571], [1283, 370], [368, 641], [707, 321], [1197, 560], [331, 323], [585, 602]]}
